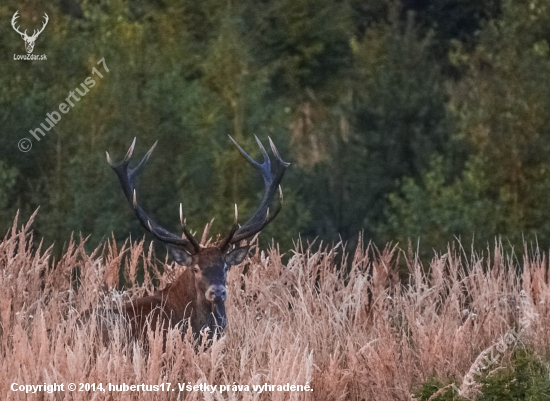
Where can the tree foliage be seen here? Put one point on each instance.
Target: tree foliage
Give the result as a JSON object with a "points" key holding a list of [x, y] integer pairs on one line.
{"points": [[404, 119], [498, 113]]}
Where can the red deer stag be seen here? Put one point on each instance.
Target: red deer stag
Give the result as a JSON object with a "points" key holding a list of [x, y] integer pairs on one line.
{"points": [[198, 295]]}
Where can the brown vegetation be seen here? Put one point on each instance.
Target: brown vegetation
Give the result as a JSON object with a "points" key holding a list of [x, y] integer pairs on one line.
{"points": [[353, 336]]}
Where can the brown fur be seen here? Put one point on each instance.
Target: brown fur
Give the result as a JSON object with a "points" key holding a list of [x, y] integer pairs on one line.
{"points": [[183, 299]]}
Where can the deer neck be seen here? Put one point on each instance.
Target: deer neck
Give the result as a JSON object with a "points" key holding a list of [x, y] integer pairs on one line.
{"points": [[180, 296], [207, 315]]}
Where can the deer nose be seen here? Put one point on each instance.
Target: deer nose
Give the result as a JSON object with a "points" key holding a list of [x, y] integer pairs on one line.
{"points": [[216, 293]]}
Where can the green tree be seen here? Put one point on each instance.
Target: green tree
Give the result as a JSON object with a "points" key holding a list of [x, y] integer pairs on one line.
{"points": [[390, 123], [499, 116]]}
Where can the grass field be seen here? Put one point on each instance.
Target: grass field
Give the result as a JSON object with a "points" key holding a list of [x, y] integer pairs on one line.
{"points": [[352, 333]]}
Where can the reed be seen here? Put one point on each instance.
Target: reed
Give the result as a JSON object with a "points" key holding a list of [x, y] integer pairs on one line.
{"points": [[352, 333]]}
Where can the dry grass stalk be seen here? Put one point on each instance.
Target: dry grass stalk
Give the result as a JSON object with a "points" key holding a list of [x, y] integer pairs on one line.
{"points": [[351, 333]]}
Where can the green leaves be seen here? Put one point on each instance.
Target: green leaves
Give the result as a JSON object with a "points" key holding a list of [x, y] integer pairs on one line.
{"points": [[388, 131]]}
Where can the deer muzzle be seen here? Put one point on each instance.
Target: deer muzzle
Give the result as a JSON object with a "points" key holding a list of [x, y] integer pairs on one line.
{"points": [[216, 293]]}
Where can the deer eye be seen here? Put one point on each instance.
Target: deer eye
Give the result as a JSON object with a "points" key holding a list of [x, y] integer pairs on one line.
{"points": [[196, 270]]}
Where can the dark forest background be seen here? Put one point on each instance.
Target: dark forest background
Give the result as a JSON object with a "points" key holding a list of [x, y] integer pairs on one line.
{"points": [[403, 119]]}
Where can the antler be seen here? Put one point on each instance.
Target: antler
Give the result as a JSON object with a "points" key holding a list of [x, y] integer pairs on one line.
{"points": [[13, 19], [35, 32], [263, 215], [127, 177]]}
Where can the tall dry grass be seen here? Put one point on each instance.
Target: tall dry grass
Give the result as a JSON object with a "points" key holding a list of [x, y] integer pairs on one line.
{"points": [[352, 333]]}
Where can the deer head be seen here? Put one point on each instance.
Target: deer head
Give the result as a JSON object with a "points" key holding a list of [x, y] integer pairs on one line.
{"points": [[200, 292], [29, 40]]}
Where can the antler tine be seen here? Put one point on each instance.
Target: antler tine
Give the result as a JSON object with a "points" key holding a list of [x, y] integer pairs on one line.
{"points": [[204, 238], [245, 155], [265, 167], [277, 155], [228, 240], [196, 245], [37, 32], [267, 160], [261, 216], [130, 151], [13, 21], [269, 218], [127, 178]]}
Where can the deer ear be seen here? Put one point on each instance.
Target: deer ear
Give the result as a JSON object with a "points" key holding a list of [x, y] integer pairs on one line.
{"points": [[236, 256], [181, 256]]}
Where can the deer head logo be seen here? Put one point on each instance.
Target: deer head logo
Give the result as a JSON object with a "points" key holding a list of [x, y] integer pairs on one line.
{"points": [[29, 40]]}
